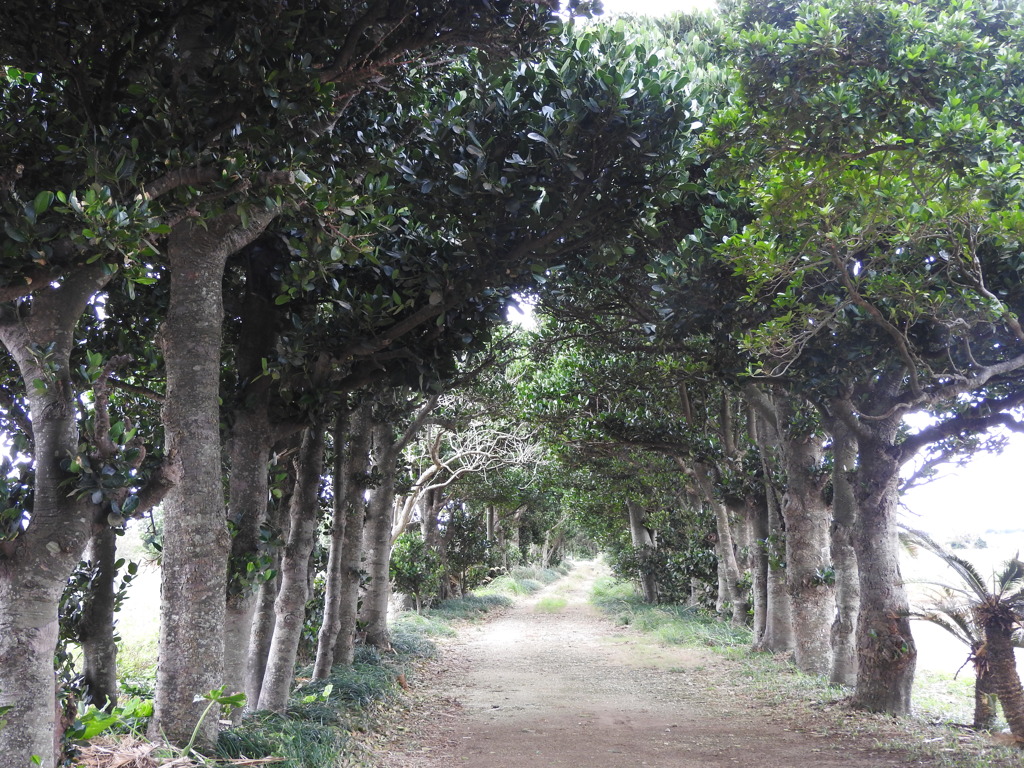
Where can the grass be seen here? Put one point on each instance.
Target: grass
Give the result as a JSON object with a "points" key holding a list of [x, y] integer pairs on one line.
{"points": [[926, 739], [671, 624], [550, 604], [522, 580]]}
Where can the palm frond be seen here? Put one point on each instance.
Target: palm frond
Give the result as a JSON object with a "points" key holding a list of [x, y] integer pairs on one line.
{"points": [[963, 568], [957, 630], [1011, 578]]}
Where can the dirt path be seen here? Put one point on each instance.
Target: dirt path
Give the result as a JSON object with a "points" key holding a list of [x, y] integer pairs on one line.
{"points": [[537, 688]]}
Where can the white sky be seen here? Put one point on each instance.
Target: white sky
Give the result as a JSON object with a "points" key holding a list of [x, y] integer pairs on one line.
{"points": [[654, 7]]}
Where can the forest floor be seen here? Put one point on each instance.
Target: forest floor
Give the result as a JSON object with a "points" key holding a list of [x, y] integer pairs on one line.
{"points": [[552, 682]]}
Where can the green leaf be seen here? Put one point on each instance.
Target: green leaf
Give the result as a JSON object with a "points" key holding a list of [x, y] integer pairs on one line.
{"points": [[42, 202]]}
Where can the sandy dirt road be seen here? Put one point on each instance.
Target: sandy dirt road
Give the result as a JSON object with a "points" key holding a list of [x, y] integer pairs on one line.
{"points": [[543, 688]]}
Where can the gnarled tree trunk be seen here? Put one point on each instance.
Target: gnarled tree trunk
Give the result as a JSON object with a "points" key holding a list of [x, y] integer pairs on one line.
{"points": [[35, 566]]}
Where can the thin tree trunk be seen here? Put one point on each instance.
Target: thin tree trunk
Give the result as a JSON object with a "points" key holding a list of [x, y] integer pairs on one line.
{"points": [[290, 606], [643, 542], [351, 445], [248, 492], [380, 510], [377, 541], [844, 556], [248, 447], [729, 576], [886, 652], [779, 636], [96, 629], [759, 520], [261, 636]]}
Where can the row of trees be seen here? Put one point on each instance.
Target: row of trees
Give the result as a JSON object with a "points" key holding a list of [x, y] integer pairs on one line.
{"points": [[247, 248], [856, 258]]}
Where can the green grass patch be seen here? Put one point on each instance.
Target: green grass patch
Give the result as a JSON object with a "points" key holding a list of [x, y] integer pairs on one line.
{"points": [[551, 604], [522, 580], [471, 606], [302, 743], [671, 624], [940, 698]]}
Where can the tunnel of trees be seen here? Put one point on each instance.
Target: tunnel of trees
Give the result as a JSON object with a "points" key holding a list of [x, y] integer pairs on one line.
{"points": [[257, 258]]}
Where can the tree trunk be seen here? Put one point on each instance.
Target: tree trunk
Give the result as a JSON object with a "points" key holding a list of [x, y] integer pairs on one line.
{"points": [[290, 606], [844, 557], [808, 547], [1005, 682], [759, 530], [886, 652], [377, 539], [35, 566], [643, 543], [248, 493], [984, 695], [196, 539], [335, 644], [96, 630], [729, 575], [262, 634]]}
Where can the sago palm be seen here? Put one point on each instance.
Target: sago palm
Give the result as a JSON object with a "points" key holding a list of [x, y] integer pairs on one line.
{"points": [[988, 620]]}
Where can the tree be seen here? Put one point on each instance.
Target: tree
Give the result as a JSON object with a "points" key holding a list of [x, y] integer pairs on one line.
{"points": [[170, 131], [989, 621], [881, 258]]}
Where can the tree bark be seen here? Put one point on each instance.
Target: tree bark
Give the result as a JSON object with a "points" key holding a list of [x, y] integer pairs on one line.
{"points": [[386, 449], [643, 542], [844, 556], [729, 575], [35, 566], [248, 492], [778, 635], [759, 526], [1004, 680], [248, 447], [335, 644], [196, 539], [290, 606], [984, 695], [808, 546], [377, 539], [262, 634], [96, 630], [886, 652]]}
